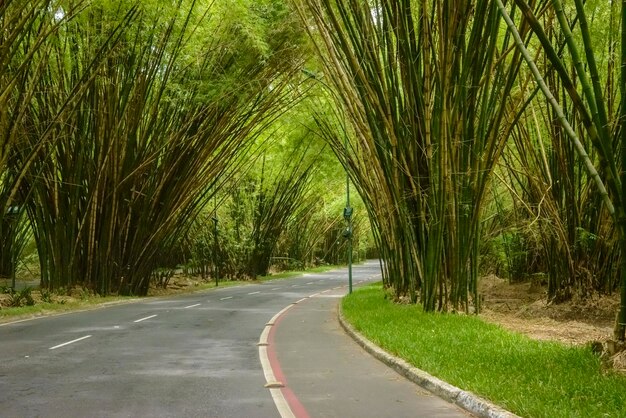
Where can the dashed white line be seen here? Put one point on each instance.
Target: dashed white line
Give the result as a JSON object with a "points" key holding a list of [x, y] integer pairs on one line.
{"points": [[226, 298], [310, 282], [254, 293], [70, 342], [144, 319], [276, 288], [192, 306]]}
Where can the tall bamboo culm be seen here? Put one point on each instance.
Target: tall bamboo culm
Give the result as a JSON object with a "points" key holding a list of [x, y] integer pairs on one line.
{"points": [[606, 136], [142, 149], [25, 29], [429, 90]]}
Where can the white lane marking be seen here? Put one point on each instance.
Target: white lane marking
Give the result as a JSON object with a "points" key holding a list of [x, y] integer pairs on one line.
{"points": [[192, 306], [144, 319], [70, 342], [295, 285], [226, 298], [310, 282], [281, 404], [314, 295], [116, 327], [264, 338], [254, 293], [275, 317], [277, 395], [265, 363], [301, 300], [276, 288]]}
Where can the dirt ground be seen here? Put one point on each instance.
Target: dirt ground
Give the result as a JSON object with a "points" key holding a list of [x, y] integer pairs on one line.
{"points": [[522, 307]]}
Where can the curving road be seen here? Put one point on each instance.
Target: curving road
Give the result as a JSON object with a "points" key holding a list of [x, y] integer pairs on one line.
{"points": [[197, 356]]}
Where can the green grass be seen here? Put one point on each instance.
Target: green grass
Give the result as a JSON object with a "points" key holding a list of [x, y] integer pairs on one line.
{"points": [[530, 378], [45, 308]]}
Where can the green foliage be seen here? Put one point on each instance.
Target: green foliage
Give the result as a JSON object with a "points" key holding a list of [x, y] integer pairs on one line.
{"points": [[25, 27], [534, 378], [141, 145], [46, 296], [548, 179], [428, 89], [19, 298], [280, 214]]}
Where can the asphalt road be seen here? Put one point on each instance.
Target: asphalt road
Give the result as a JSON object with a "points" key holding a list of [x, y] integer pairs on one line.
{"points": [[185, 356]]}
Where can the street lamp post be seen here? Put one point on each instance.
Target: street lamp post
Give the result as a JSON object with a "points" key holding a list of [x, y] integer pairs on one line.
{"points": [[215, 249], [347, 214], [347, 211], [13, 217]]}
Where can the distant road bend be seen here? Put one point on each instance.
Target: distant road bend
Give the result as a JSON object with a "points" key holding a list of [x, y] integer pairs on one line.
{"points": [[198, 355]]}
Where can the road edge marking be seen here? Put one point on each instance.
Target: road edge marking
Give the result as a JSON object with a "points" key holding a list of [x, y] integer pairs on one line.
{"points": [[275, 386], [277, 395]]}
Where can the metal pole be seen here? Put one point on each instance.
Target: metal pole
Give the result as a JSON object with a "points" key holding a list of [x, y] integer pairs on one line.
{"points": [[12, 217], [13, 259], [215, 248], [349, 214]]}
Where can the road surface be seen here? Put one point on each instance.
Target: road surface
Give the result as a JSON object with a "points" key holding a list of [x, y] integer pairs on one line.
{"points": [[197, 356]]}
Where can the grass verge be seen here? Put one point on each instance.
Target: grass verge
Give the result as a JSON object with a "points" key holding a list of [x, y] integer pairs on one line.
{"points": [[46, 308], [530, 378]]}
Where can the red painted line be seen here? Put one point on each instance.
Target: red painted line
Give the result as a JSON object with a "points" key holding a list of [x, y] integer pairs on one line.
{"points": [[294, 403]]}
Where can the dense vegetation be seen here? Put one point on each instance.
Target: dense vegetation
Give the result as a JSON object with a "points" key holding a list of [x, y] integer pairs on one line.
{"points": [[122, 121], [482, 137], [479, 143]]}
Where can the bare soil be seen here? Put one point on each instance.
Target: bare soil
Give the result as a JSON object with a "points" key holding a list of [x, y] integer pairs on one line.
{"points": [[523, 307]]}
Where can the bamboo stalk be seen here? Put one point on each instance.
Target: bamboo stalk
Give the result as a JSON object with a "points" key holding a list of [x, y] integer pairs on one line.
{"points": [[580, 149]]}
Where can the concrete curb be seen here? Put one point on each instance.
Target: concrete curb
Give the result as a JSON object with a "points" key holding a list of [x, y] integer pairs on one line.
{"points": [[466, 400]]}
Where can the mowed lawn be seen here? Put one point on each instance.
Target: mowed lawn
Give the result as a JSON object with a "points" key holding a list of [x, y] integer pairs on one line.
{"points": [[530, 378]]}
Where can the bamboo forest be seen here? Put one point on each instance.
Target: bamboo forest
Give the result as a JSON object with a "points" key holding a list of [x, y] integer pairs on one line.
{"points": [[229, 140], [470, 153]]}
